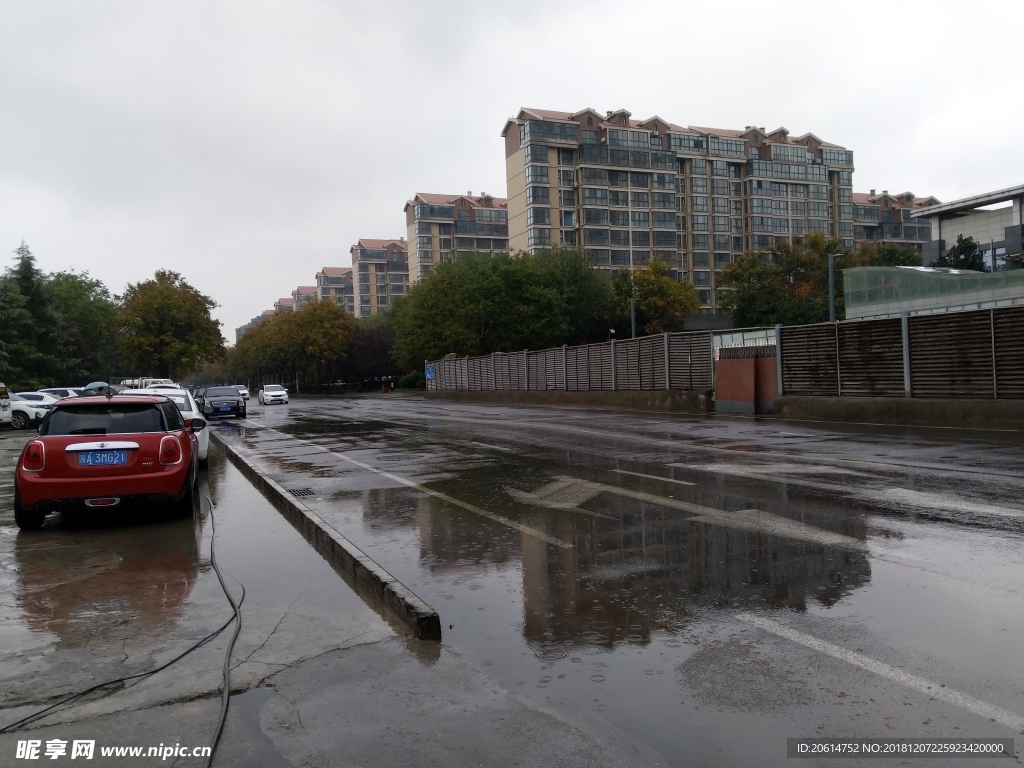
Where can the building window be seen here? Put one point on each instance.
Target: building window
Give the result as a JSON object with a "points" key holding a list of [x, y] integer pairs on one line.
{"points": [[663, 200], [596, 216], [639, 180], [567, 198], [566, 179], [619, 218], [537, 153], [719, 187], [737, 243], [568, 219], [698, 184], [728, 147], [424, 242], [618, 178], [845, 195], [536, 174], [537, 195], [595, 196], [640, 218], [616, 197], [720, 204], [701, 278], [422, 227], [595, 236], [568, 238], [678, 142], [590, 137], [565, 157], [638, 199], [539, 236], [642, 239], [719, 168], [722, 260], [699, 241], [446, 243], [698, 203], [720, 223], [664, 181], [538, 215], [699, 223], [620, 237], [664, 219]]}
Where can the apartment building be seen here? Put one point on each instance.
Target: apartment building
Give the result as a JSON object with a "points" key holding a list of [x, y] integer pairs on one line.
{"points": [[443, 225], [887, 218], [698, 198], [302, 295], [286, 304], [381, 269], [336, 284]]}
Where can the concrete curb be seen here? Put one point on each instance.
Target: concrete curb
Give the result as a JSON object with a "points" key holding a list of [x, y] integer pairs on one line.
{"points": [[678, 401], [341, 553]]}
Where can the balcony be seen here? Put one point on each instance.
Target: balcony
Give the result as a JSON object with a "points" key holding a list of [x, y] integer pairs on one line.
{"points": [[446, 212], [482, 228], [545, 130]]}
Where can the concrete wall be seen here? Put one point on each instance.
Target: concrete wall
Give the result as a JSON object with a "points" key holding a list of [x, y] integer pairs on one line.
{"points": [[645, 400], [967, 414], [983, 226]]}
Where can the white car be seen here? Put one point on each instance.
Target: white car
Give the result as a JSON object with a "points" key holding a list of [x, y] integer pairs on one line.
{"points": [[62, 392], [188, 409], [243, 389], [25, 413], [272, 393], [43, 398], [5, 404]]}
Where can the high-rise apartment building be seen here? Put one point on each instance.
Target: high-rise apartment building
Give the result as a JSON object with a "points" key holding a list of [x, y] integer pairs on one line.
{"points": [[626, 190], [887, 218], [302, 295], [440, 226], [336, 284], [381, 269], [286, 304]]}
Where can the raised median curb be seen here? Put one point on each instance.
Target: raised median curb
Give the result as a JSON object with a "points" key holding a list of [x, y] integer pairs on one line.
{"points": [[1007, 415], [344, 556]]}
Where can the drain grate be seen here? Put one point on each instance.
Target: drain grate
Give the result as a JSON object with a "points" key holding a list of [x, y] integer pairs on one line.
{"points": [[301, 491]]}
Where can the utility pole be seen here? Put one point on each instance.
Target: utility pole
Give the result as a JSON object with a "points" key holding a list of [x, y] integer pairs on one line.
{"points": [[832, 286]]}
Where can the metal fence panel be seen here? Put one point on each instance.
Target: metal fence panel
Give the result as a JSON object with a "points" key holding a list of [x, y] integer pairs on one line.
{"points": [[871, 358], [951, 355], [1008, 331], [810, 360]]}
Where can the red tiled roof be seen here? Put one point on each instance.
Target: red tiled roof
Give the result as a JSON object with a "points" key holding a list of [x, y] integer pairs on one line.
{"points": [[306, 290], [269, 312], [285, 302], [368, 242], [432, 198], [723, 132], [336, 271], [548, 114]]}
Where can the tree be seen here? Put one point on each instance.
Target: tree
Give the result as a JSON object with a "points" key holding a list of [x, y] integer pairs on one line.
{"points": [[41, 350], [16, 324], [482, 303], [92, 316], [167, 328], [964, 255], [661, 302], [789, 283]]}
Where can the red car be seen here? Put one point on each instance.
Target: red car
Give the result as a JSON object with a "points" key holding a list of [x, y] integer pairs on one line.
{"points": [[107, 452]]}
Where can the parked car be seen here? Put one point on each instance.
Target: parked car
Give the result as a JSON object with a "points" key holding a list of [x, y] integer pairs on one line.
{"points": [[146, 383], [5, 404], [272, 393], [101, 388], [97, 453], [38, 397], [61, 392], [221, 401], [26, 413], [187, 407], [243, 389]]}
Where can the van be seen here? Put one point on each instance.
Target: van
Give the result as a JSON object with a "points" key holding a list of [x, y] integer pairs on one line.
{"points": [[5, 405]]}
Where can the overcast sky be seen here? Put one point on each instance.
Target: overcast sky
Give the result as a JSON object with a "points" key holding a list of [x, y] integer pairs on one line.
{"points": [[247, 144]]}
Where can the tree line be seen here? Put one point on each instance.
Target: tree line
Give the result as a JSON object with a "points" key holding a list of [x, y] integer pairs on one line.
{"points": [[67, 328]]}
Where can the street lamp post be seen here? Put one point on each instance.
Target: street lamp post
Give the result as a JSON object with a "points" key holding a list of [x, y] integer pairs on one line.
{"points": [[832, 286]]}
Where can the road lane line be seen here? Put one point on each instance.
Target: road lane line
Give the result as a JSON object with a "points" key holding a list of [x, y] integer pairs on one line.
{"points": [[937, 501], [934, 690], [438, 495], [653, 477]]}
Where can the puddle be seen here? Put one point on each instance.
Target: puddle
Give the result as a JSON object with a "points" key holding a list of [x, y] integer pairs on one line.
{"points": [[253, 748]]}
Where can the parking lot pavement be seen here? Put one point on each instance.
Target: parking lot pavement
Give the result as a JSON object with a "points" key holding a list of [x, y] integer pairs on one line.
{"points": [[705, 587]]}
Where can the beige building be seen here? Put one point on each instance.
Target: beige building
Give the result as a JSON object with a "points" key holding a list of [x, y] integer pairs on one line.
{"points": [[336, 284], [888, 218], [626, 190], [381, 269], [440, 226], [302, 295], [284, 305]]}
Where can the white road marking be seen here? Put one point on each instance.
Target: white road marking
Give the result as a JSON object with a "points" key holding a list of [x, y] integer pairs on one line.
{"points": [[933, 690], [566, 492], [937, 501], [495, 447], [437, 494], [653, 477]]}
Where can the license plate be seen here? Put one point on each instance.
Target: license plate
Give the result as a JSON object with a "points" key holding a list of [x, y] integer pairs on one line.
{"points": [[224, 408], [3, 408], [102, 458]]}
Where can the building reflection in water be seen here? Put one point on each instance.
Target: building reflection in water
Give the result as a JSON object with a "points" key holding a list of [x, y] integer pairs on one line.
{"points": [[635, 569]]}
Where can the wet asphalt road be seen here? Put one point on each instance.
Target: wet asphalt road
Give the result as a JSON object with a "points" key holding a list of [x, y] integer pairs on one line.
{"points": [[629, 588], [702, 587]]}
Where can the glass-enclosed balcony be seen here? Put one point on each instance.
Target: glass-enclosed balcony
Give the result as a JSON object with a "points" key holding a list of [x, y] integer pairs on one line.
{"points": [[446, 212], [546, 130]]}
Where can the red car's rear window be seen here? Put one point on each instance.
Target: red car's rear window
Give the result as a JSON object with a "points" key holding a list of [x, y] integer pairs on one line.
{"points": [[106, 419]]}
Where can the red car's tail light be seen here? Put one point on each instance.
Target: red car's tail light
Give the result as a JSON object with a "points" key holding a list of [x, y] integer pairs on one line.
{"points": [[35, 457], [170, 450]]}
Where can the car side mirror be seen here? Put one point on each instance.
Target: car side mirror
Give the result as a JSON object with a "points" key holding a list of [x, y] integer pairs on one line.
{"points": [[196, 425]]}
